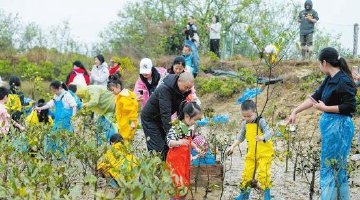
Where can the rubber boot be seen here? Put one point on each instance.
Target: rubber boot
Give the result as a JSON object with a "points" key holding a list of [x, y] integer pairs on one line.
{"points": [[244, 195], [267, 195]]}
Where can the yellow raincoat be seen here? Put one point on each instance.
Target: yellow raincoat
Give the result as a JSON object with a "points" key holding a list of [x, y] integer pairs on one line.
{"points": [[13, 103], [114, 159], [126, 111], [264, 156]]}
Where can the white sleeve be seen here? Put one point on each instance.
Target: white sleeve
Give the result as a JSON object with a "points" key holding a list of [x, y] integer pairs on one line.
{"points": [[217, 28], [48, 105], [69, 102]]}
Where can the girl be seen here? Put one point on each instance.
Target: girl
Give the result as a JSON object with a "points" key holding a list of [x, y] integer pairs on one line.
{"points": [[100, 73], [179, 141], [65, 108], [336, 99], [16, 98], [126, 108], [37, 117]]}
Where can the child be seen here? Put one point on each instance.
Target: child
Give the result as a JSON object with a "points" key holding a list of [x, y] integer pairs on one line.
{"points": [[259, 153], [126, 108], [40, 116], [15, 98], [72, 90], [65, 108], [114, 158], [179, 141], [5, 118]]}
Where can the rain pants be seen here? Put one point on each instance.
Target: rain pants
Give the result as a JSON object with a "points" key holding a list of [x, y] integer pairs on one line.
{"points": [[264, 155], [337, 132]]}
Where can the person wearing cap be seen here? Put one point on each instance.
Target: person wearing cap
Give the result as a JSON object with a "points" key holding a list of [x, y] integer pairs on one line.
{"points": [[307, 19], [164, 102], [100, 73], [148, 80], [115, 66]]}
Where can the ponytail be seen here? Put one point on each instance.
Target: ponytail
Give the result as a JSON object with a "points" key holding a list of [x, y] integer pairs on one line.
{"points": [[58, 84], [331, 56], [188, 108], [345, 67]]}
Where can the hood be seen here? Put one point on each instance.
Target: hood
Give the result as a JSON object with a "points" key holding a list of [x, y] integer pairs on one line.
{"points": [[308, 2], [171, 82], [79, 70], [81, 91]]}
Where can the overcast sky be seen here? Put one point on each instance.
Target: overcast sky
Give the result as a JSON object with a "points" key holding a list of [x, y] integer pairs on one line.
{"points": [[88, 17]]}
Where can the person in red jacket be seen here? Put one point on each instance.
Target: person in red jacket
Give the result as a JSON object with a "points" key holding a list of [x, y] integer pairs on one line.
{"points": [[115, 66], [79, 75]]}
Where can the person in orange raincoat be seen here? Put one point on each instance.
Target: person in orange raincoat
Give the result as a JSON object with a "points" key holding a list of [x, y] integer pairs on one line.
{"points": [[126, 108], [179, 141]]}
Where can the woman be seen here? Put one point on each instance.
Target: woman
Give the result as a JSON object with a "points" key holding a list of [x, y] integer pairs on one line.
{"points": [[336, 98], [215, 30], [148, 80], [100, 72], [79, 75], [178, 67], [126, 108], [115, 66]]}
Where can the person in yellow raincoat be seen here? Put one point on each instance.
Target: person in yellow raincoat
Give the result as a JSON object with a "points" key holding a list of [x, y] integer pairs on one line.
{"points": [[259, 154], [115, 158], [126, 108]]}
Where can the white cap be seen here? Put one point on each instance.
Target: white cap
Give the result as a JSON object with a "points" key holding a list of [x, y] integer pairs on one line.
{"points": [[145, 66]]}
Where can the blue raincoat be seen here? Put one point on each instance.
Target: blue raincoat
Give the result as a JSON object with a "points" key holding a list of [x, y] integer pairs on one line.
{"points": [[337, 132]]}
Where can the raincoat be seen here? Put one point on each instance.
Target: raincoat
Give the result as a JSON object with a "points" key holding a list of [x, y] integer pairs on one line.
{"points": [[101, 101], [126, 112], [114, 159]]}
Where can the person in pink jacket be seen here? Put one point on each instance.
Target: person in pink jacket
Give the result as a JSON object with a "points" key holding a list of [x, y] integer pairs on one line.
{"points": [[148, 80]]}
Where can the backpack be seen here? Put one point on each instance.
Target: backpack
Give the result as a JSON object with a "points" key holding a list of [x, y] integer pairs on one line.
{"points": [[79, 79]]}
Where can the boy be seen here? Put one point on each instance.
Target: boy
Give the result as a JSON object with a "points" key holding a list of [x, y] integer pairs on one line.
{"points": [[259, 152]]}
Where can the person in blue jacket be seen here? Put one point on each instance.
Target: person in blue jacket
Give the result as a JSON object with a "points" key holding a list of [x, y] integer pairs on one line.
{"points": [[336, 99]]}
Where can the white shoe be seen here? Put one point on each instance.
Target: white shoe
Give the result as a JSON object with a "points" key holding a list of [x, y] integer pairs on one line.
{"points": [[355, 157]]}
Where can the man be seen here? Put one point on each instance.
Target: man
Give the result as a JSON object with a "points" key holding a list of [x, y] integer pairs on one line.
{"points": [[165, 101], [191, 61], [307, 19]]}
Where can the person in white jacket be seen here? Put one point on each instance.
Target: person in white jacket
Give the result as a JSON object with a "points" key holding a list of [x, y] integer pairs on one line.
{"points": [[99, 74], [215, 30]]}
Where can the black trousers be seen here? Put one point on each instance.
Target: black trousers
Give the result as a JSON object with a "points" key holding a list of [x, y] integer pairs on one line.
{"points": [[214, 46], [155, 136]]}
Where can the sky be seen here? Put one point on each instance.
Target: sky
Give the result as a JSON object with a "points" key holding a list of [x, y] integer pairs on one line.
{"points": [[88, 17]]}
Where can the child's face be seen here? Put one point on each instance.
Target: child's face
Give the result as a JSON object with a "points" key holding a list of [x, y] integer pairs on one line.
{"points": [[191, 120], [5, 99], [248, 115], [56, 91], [115, 89]]}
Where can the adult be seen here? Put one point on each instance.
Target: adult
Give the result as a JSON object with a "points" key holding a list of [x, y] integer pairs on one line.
{"points": [[148, 80], [115, 66], [100, 101], [191, 60], [307, 19], [100, 72], [179, 67], [165, 101], [336, 99], [79, 75], [215, 30]]}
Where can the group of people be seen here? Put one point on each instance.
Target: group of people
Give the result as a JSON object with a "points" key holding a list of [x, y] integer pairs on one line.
{"points": [[169, 109]]}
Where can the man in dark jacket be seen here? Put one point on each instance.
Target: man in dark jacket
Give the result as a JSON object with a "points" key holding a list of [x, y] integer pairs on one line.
{"points": [[307, 18], [165, 101]]}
